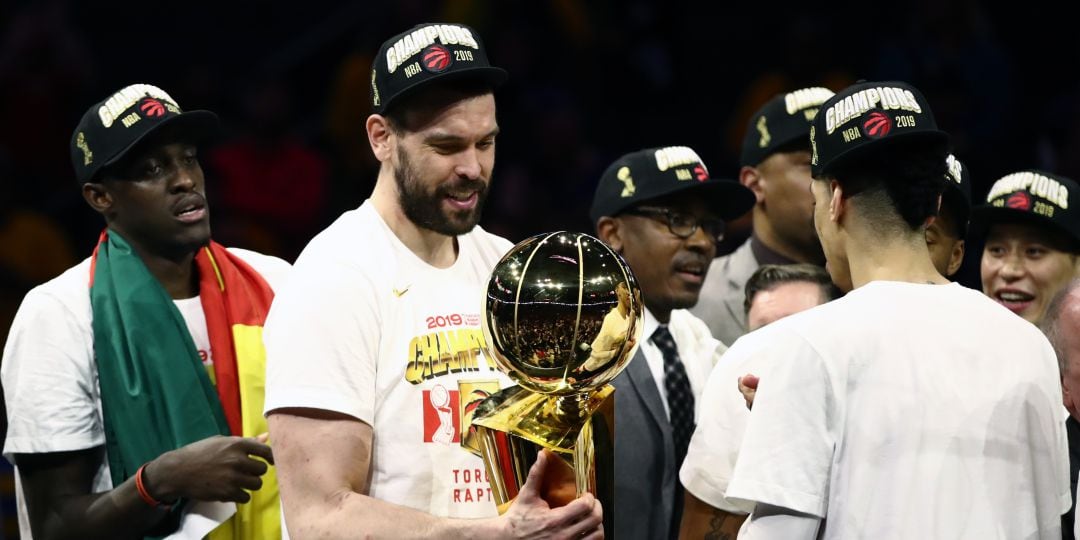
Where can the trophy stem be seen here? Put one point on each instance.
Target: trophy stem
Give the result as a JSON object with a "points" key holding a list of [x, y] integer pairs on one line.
{"points": [[516, 425]]}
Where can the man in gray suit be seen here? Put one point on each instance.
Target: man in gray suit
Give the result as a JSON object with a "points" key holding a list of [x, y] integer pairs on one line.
{"points": [[776, 167], [661, 211]]}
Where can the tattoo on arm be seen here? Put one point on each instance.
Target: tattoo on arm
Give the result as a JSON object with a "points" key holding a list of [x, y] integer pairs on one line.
{"points": [[716, 526]]}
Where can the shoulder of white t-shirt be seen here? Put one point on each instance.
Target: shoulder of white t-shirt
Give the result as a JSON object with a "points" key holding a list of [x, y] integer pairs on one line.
{"points": [[355, 239], [71, 288], [746, 346], [273, 269]]}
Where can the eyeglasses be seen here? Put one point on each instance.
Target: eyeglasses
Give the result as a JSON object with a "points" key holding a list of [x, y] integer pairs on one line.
{"points": [[680, 224]]}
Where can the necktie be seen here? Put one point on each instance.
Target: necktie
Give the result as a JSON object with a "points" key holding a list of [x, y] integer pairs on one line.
{"points": [[679, 397]]}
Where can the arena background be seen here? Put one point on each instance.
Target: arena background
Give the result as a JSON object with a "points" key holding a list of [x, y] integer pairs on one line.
{"points": [[589, 82]]}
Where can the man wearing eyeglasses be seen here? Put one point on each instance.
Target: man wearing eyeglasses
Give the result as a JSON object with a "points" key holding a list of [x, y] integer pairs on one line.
{"points": [[662, 212]]}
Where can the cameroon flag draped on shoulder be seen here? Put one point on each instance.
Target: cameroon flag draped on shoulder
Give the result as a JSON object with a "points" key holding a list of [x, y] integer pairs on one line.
{"points": [[156, 395]]}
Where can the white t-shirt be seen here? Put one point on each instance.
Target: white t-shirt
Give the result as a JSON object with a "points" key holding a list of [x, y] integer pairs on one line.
{"points": [[698, 351], [714, 448], [368, 329], [195, 319], [50, 377], [907, 411]]}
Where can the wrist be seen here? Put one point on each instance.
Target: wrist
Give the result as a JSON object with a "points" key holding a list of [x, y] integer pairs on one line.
{"points": [[493, 528], [155, 481]]}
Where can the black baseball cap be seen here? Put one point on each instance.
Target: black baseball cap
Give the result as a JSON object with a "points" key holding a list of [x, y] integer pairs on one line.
{"points": [[1031, 196], [655, 172], [957, 194], [115, 125], [784, 119], [426, 53], [866, 116]]}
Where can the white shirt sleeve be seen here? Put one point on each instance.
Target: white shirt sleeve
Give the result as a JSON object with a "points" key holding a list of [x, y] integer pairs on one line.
{"points": [[773, 523], [714, 448], [322, 342], [787, 451], [49, 379]]}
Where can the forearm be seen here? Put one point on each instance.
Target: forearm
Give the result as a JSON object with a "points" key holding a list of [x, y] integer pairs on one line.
{"points": [[118, 513], [347, 513], [701, 520]]}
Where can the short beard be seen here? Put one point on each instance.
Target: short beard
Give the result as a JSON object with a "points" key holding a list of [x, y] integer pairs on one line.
{"points": [[425, 209]]}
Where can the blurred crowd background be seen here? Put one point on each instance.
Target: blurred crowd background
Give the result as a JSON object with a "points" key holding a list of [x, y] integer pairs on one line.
{"points": [[589, 82]]}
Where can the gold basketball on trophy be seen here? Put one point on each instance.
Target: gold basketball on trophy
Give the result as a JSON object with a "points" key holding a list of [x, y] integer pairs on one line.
{"points": [[562, 318]]}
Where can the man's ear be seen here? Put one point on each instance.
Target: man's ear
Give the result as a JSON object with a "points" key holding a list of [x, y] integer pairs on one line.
{"points": [[956, 258], [751, 178], [98, 197], [837, 204], [379, 134], [608, 229]]}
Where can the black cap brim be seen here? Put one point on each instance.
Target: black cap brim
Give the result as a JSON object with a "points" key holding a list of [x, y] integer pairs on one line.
{"points": [[489, 74], [983, 217], [728, 199], [199, 126], [930, 136]]}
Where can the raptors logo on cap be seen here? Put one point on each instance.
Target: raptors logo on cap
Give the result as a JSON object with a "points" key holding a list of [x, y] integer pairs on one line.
{"points": [[436, 58], [1019, 201], [700, 173], [877, 125], [152, 108]]}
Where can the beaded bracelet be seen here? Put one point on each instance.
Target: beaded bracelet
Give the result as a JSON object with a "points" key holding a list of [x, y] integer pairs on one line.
{"points": [[146, 497]]}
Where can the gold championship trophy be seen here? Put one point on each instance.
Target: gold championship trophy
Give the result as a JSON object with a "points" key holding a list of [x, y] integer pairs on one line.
{"points": [[562, 318]]}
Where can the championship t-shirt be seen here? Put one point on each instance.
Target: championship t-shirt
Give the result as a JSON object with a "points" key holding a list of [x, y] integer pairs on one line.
{"points": [[368, 329]]}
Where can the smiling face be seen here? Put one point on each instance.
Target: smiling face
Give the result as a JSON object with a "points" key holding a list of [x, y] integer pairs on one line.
{"points": [[156, 198], [670, 270], [1024, 266], [442, 163]]}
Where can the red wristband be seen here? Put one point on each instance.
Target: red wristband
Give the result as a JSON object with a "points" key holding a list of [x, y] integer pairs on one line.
{"points": [[146, 497]]}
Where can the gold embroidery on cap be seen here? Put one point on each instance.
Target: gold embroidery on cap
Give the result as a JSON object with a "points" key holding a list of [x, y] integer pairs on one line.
{"points": [[80, 143], [764, 131], [374, 90], [624, 176]]}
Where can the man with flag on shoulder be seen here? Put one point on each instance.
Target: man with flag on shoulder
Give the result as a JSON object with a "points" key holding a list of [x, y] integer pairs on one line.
{"points": [[134, 380]]}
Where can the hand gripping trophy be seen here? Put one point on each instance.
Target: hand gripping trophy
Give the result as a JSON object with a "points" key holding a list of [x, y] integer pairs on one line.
{"points": [[562, 318]]}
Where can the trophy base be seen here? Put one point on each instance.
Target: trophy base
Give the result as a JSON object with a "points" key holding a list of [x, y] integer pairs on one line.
{"points": [[514, 425]]}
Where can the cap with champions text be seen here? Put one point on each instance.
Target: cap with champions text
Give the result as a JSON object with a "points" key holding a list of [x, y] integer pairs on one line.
{"points": [[426, 53], [115, 125], [656, 172], [866, 116], [783, 120], [1031, 196]]}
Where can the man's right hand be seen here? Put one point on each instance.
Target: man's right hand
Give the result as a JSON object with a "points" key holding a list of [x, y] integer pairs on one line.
{"points": [[530, 516], [214, 469], [748, 388]]}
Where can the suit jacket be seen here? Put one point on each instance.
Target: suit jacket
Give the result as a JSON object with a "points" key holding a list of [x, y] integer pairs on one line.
{"points": [[1072, 428], [720, 304], [644, 459]]}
